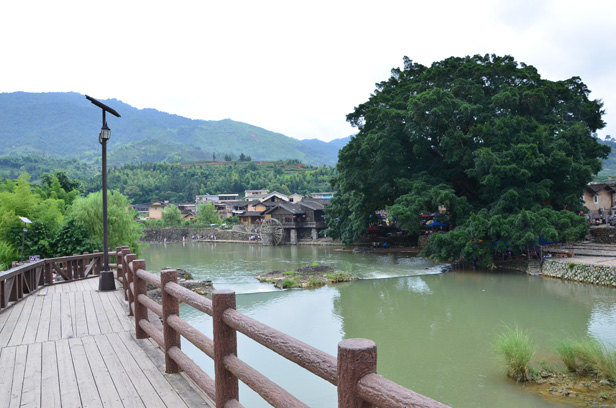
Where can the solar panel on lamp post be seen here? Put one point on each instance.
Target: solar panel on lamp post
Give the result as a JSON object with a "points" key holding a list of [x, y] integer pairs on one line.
{"points": [[26, 221], [106, 280]]}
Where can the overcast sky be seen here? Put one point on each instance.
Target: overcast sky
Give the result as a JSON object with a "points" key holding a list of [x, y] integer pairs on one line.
{"points": [[297, 68]]}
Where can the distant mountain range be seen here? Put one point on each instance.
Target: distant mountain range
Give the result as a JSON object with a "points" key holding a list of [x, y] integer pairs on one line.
{"points": [[66, 125]]}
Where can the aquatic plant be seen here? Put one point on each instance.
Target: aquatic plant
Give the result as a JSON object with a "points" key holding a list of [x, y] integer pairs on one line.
{"points": [[337, 277], [517, 349], [289, 283], [315, 283]]}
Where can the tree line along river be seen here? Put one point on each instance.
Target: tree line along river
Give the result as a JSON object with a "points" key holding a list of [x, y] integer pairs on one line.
{"points": [[433, 329]]}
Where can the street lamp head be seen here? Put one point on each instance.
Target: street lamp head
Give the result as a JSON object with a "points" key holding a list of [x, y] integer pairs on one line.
{"points": [[105, 134]]}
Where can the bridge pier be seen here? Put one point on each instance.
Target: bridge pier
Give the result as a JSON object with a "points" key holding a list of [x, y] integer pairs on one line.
{"points": [[314, 233], [293, 236]]}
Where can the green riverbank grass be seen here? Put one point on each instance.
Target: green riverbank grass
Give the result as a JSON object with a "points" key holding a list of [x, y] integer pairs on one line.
{"points": [[588, 356], [591, 365], [516, 347]]}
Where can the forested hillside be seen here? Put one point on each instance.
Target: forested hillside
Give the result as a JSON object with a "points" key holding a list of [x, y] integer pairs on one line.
{"points": [[12, 166], [148, 182], [608, 170], [64, 125]]}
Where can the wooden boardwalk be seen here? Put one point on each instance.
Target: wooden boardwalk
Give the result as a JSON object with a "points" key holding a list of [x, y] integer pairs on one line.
{"points": [[69, 345]]}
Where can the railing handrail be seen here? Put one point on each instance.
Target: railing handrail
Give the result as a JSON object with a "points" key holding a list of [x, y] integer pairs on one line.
{"points": [[23, 280], [20, 269], [353, 372]]}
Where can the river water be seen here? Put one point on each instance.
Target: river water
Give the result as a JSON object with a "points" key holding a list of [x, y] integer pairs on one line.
{"points": [[433, 330]]}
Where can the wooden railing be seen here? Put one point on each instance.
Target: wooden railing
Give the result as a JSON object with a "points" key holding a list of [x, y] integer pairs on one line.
{"points": [[18, 282], [353, 371]]}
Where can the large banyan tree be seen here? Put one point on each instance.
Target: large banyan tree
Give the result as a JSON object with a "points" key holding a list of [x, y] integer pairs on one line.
{"points": [[507, 152]]}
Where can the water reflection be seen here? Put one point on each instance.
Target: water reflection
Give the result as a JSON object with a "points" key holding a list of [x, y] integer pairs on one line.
{"points": [[602, 324]]}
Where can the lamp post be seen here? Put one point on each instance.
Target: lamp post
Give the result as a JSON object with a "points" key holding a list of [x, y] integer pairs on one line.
{"points": [[106, 280]]}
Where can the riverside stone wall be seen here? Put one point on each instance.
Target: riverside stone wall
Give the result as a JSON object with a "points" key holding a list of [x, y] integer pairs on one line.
{"points": [[588, 273], [604, 234]]}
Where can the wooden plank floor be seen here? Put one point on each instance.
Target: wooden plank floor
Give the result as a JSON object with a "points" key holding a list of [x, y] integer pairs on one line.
{"points": [[69, 345]]}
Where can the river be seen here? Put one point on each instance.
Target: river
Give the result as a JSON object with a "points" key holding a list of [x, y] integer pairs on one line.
{"points": [[433, 330]]}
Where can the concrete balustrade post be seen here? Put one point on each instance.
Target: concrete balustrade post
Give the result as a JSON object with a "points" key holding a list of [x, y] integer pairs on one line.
{"points": [[128, 258], [171, 306], [141, 312], [225, 343], [356, 358]]}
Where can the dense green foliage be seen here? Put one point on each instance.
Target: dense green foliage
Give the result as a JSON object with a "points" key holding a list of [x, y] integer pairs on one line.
{"points": [[62, 222], [148, 182], [171, 215], [507, 152], [206, 214], [88, 211], [46, 123]]}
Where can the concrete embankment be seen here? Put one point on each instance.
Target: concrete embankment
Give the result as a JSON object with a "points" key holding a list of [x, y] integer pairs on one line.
{"points": [[200, 233], [595, 270], [178, 234]]}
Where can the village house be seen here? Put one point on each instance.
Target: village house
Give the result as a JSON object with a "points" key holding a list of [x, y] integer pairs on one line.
{"points": [[235, 208], [251, 217], [155, 211], [143, 211], [599, 199], [301, 220], [325, 195], [206, 198], [216, 197], [295, 198], [188, 211], [228, 197], [274, 197], [255, 194], [301, 217]]}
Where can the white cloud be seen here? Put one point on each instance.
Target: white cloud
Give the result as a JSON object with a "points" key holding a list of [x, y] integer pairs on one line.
{"points": [[294, 68]]}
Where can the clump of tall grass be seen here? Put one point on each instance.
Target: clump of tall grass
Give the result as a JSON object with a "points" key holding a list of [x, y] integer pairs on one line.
{"points": [[567, 352], [587, 356], [517, 349]]}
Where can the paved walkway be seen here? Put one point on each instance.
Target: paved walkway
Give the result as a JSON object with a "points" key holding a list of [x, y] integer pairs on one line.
{"points": [[69, 345]]}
